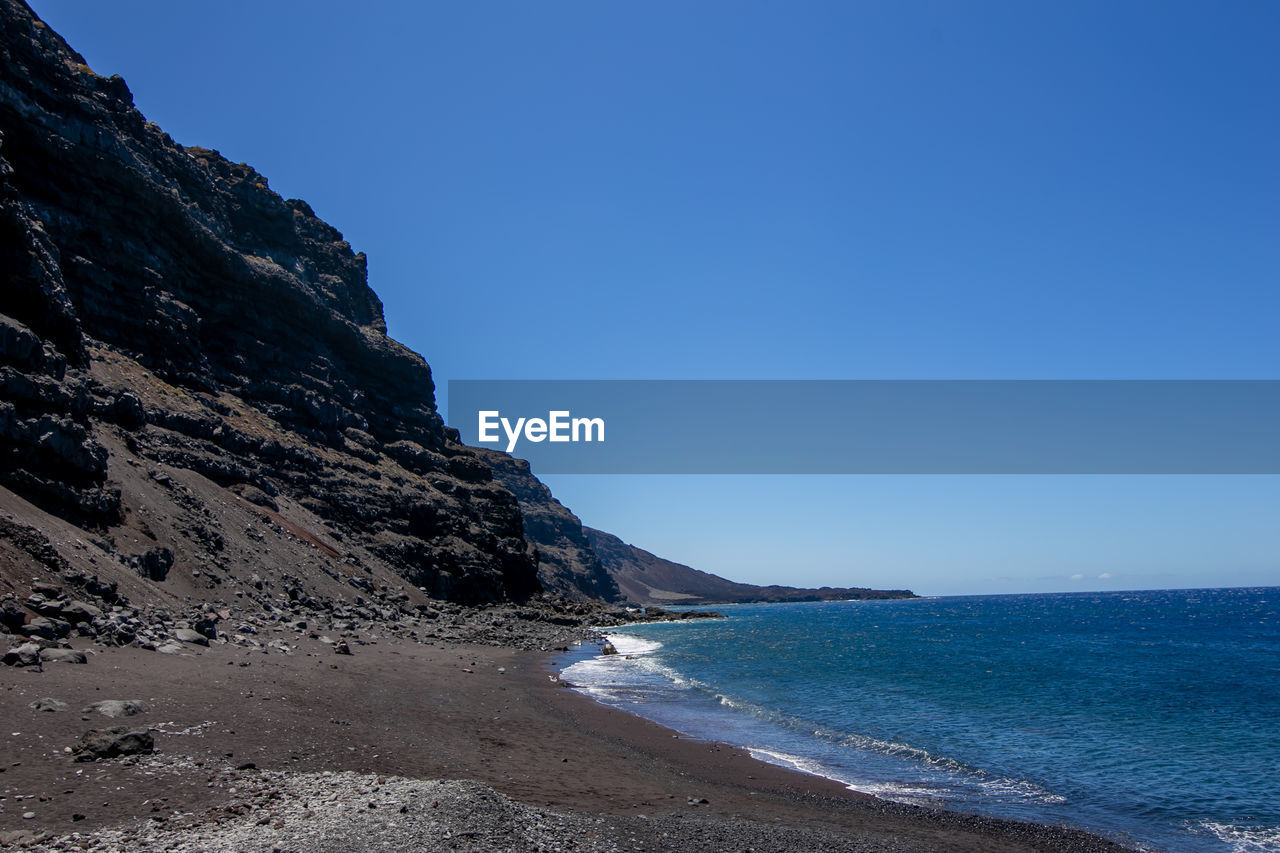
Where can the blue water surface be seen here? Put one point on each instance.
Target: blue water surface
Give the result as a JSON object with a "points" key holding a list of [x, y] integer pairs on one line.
{"points": [[1152, 717]]}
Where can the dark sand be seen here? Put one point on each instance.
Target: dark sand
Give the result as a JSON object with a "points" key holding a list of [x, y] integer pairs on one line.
{"points": [[424, 712]]}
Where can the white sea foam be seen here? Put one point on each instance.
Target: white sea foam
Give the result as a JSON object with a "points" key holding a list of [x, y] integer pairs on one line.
{"points": [[1243, 839], [994, 784], [793, 762], [597, 675], [892, 791], [629, 644]]}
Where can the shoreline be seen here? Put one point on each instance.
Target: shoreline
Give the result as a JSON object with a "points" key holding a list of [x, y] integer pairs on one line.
{"points": [[831, 787], [399, 708]]}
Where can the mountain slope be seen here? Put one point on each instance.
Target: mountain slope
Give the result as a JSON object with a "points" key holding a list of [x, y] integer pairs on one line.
{"points": [[647, 579], [195, 378]]}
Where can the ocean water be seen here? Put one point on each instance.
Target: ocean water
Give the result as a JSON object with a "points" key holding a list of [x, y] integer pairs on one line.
{"points": [[1150, 717]]}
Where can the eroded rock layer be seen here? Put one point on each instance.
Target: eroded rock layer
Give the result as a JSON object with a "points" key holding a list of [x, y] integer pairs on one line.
{"points": [[196, 384]]}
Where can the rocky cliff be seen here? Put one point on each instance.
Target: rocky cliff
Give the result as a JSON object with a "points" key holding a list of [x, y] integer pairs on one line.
{"points": [[201, 411], [567, 565], [197, 392], [647, 579]]}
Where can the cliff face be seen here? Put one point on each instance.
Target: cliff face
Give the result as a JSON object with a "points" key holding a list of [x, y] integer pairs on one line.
{"points": [[183, 351], [199, 404], [567, 565], [647, 579]]}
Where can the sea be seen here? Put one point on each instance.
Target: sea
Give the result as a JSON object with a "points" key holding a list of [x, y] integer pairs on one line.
{"points": [[1152, 717]]}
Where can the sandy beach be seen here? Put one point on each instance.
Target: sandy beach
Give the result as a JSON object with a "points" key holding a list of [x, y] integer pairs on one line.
{"points": [[232, 725]]}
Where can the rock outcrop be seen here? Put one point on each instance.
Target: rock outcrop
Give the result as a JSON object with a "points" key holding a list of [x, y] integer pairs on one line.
{"points": [[197, 392], [203, 420], [648, 580], [567, 565]]}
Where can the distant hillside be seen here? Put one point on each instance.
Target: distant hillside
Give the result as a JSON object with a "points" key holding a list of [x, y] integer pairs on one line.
{"points": [[647, 579]]}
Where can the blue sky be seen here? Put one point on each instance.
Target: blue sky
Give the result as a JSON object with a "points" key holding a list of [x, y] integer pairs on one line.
{"points": [[860, 190]]}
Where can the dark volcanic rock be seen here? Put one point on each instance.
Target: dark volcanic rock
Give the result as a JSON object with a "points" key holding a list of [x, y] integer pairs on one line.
{"points": [[27, 654], [77, 612], [46, 628], [118, 707], [97, 744], [174, 333], [650, 580], [567, 565], [12, 616], [154, 564], [186, 635], [64, 656]]}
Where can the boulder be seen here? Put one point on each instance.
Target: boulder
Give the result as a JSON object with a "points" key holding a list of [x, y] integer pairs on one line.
{"points": [[48, 704], [64, 656], [129, 411], [49, 629], [101, 589], [155, 563], [12, 616], [255, 496], [48, 590], [76, 612], [116, 708], [27, 654], [97, 744], [206, 627], [45, 606], [186, 635]]}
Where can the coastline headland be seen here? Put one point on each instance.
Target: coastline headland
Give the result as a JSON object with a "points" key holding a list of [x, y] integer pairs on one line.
{"points": [[254, 593]]}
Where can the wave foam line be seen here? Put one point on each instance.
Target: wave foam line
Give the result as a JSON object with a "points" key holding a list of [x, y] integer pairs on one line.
{"points": [[1244, 839]]}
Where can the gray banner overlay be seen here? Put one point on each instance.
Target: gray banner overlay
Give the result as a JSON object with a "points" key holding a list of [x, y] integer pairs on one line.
{"points": [[875, 427]]}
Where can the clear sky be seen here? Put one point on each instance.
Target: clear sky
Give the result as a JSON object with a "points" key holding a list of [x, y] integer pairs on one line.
{"points": [[764, 190]]}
